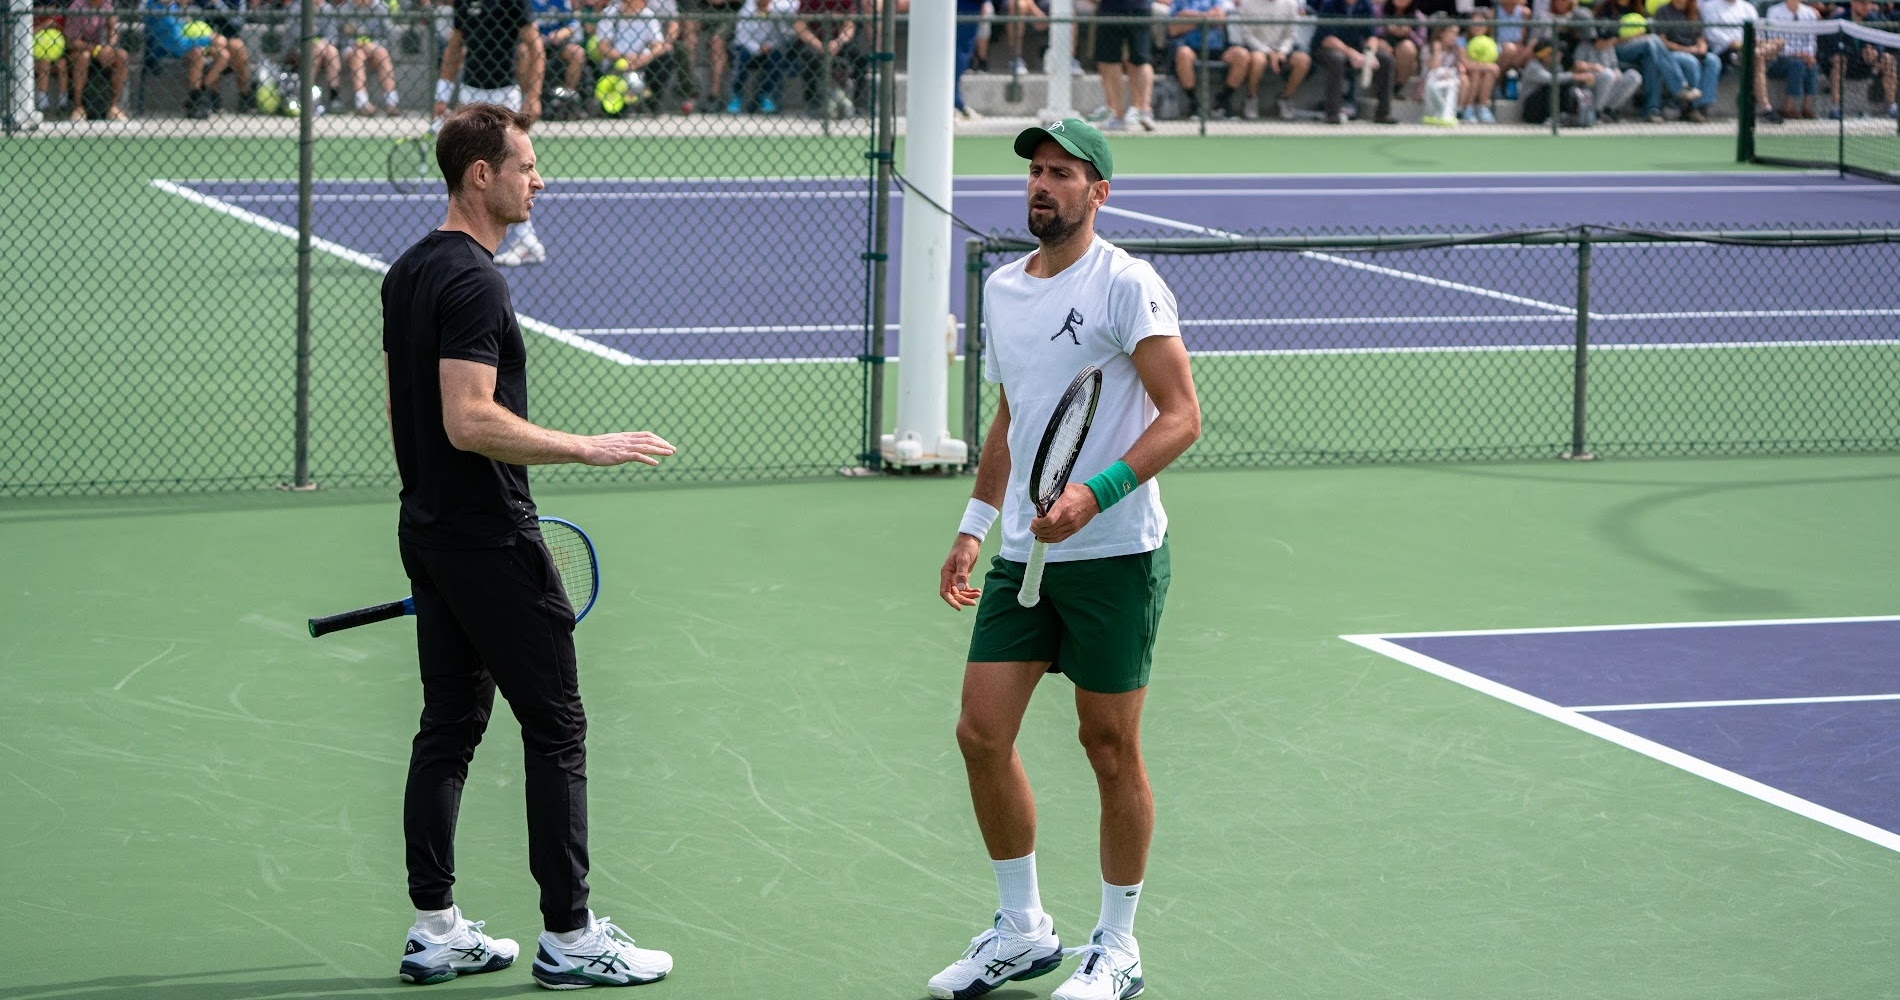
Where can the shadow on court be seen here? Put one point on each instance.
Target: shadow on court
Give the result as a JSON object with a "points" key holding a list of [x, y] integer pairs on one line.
{"points": [[191, 986]]}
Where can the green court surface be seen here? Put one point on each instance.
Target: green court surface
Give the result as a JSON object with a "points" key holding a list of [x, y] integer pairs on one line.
{"points": [[202, 803]]}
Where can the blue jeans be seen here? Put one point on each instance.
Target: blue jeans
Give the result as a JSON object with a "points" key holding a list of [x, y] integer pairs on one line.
{"points": [[966, 48], [745, 63], [1804, 79], [1646, 55], [1702, 72]]}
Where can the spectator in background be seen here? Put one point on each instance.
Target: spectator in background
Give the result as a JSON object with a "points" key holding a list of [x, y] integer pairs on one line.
{"points": [[1575, 37], [362, 42], [1015, 30], [173, 31], [92, 39], [721, 19], [1273, 48], [328, 62], [825, 30], [645, 40], [1406, 41], [1196, 27], [1124, 54], [561, 38], [1339, 48], [1794, 58], [1444, 76], [1854, 59], [226, 18], [1676, 24], [1722, 26], [760, 41], [1633, 47], [50, 94], [1514, 41], [969, 24], [1481, 75]]}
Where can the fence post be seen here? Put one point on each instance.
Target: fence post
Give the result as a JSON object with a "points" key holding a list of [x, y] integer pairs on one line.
{"points": [[306, 140], [884, 94], [973, 258], [1556, 84], [1581, 354], [1200, 81], [1746, 98]]}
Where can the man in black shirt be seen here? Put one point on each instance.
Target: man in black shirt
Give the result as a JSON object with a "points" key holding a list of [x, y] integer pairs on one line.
{"points": [[483, 44], [490, 611]]}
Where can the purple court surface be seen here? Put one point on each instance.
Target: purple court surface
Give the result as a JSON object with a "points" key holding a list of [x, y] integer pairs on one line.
{"points": [[709, 271], [1803, 714]]}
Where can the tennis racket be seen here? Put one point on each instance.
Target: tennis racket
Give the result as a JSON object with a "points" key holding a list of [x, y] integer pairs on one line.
{"points": [[1055, 459], [574, 560], [412, 163]]}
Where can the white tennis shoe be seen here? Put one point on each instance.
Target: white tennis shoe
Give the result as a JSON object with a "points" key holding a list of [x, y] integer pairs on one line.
{"points": [[523, 252], [604, 956], [997, 956], [1107, 972], [464, 951]]}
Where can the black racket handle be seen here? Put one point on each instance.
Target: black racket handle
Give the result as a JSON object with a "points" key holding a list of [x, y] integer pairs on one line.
{"points": [[361, 616]]}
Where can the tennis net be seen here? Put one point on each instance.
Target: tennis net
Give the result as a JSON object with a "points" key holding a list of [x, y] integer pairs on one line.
{"points": [[1831, 96]]}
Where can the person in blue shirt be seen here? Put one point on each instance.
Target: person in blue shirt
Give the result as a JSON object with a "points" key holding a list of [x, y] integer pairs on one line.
{"points": [[1188, 21], [561, 38], [1337, 48], [174, 32]]}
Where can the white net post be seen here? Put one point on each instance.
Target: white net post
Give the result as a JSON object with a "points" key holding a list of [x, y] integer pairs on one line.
{"points": [[1060, 59], [20, 112], [922, 436]]}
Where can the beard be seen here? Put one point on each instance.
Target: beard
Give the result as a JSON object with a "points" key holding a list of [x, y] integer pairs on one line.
{"points": [[1055, 228]]}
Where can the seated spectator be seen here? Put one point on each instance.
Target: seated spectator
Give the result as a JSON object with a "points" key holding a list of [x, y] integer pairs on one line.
{"points": [[1481, 75], [1574, 37], [1274, 48], [173, 31], [1722, 26], [1338, 48], [1196, 27], [1854, 59], [1631, 45], [1676, 23], [1514, 40], [1017, 29], [49, 73], [361, 37], [328, 62], [722, 18], [1793, 58], [226, 18], [640, 38], [561, 39], [1124, 54], [1405, 41], [92, 39], [1444, 78], [760, 41], [831, 64]]}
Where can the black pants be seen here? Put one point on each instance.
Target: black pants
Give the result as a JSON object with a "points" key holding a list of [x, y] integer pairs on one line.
{"points": [[487, 619], [1334, 67]]}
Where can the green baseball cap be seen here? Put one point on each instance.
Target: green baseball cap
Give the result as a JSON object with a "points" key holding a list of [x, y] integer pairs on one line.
{"points": [[1073, 134]]}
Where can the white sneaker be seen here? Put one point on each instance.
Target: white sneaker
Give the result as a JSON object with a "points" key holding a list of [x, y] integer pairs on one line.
{"points": [[1100, 114], [1107, 972], [1285, 107], [1251, 109], [464, 951], [1144, 117], [604, 956], [523, 252], [997, 956]]}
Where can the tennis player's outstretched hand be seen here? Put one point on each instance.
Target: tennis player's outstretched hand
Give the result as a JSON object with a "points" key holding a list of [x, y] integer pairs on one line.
{"points": [[953, 584], [624, 447], [1072, 512]]}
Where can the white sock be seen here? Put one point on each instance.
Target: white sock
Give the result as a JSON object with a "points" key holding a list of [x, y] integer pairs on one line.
{"points": [[1016, 885], [362, 98], [437, 923], [1118, 910], [574, 936], [391, 99]]}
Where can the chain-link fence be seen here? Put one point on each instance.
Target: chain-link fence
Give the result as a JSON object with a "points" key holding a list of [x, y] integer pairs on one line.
{"points": [[195, 236], [1575, 341]]}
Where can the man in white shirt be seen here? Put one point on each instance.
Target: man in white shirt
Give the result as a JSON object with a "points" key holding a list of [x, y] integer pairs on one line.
{"points": [[1722, 22], [1077, 301], [1272, 48], [1793, 54]]}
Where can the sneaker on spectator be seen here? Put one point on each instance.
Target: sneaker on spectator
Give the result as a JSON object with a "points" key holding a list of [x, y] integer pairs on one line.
{"points": [[1688, 94], [527, 251], [1893, 111], [1018, 66], [604, 956], [1653, 117], [732, 106], [464, 951], [1468, 113], [1834, 113], [1485, 116], [1100, 114], [1251, 109], [1695, 114], [998, 955], [1075, 66], [767, 106], [1285, 107], [1145, 117], [1115, 125], [1769, 115]]}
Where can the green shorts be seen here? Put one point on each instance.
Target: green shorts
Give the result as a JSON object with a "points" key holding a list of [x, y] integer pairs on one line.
{"points": [[1096, 621]]}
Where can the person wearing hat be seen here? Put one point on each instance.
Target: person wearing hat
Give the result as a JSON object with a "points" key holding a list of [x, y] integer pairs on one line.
{"points": [[1076, 301]]}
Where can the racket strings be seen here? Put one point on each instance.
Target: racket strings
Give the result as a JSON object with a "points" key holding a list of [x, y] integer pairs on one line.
{"points": [[573, 561], [1065, 445]]}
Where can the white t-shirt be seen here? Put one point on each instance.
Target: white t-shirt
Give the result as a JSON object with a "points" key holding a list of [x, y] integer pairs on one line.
{"points": [[1042, 331], [1281, 38], [632, 34], [1722, 22], [1794, 43]]}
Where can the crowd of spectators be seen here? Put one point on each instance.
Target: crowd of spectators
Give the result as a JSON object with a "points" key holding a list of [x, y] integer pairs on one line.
{"points": [[1648, 60]]}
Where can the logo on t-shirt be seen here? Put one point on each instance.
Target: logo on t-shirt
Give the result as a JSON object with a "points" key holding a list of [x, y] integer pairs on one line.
{"points": [[1069, 327], [1154, 308]]}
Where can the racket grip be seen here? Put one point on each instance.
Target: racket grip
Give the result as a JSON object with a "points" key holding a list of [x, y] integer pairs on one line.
{"points": [[1030, 594], [362, 616]]}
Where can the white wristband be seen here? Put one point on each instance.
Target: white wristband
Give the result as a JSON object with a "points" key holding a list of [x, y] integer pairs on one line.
{"points": [[977, 518], [444, 91]]}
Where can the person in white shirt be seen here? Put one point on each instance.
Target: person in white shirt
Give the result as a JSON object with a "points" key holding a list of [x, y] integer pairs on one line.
{"points": [[1722, 22], [1076, 301], [761, 40], [644, 38], [1793, 58], [1272, 48]]}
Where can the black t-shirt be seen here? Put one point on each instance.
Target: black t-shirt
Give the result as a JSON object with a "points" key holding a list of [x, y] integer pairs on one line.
{"points": [[1674, 25], [490, 29], [443, 298]]}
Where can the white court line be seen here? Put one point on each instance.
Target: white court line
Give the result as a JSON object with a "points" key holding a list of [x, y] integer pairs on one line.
{"points": [[436, 196], [1655, 706], [1641, 626], [1439, 192], [1630, 741]]}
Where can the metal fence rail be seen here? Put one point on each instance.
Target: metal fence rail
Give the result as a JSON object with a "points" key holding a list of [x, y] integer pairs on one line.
{"points": [[1576, 342]]}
